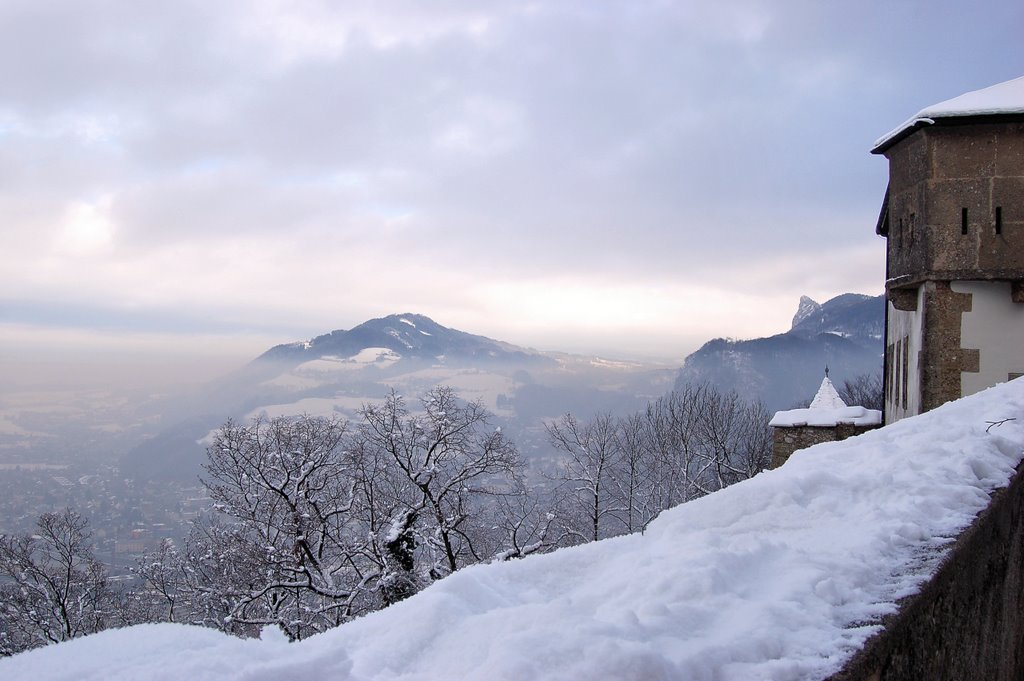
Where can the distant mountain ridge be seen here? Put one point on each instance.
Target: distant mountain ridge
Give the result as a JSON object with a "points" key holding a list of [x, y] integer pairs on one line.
{"points": [[337, 373], [410, 336], [844, 334], [850, 315], [806, 309]]}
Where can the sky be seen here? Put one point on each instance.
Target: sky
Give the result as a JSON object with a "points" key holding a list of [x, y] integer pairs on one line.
{"points": [[185, 182]]}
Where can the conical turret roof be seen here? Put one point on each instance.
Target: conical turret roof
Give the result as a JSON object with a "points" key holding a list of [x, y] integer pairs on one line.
{"points": [[827, 396], [827, 409]]}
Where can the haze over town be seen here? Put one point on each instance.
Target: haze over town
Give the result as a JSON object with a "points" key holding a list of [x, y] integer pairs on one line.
{"points": [[184, 185]]}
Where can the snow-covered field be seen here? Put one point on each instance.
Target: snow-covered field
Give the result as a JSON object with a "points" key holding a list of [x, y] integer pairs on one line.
{"points": [[780, 577]]}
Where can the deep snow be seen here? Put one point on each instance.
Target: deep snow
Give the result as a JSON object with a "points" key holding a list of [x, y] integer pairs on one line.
{"points": [[780, 577]]}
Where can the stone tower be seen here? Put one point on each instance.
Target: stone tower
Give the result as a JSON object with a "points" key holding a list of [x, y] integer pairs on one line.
{"points": [[827, 419], [953, 217]]}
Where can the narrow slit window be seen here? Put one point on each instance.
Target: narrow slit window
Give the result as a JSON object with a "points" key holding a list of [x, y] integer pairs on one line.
{"points": [[905, 370], [999, 219], [898, 371], [963, 221], [889, 373]]}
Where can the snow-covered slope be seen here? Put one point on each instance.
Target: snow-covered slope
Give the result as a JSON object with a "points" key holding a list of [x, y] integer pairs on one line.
{"points": [[780, 577]]}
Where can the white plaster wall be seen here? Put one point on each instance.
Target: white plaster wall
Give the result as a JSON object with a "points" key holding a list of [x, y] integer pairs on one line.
{"points": [[995, 326], [906, 324]]}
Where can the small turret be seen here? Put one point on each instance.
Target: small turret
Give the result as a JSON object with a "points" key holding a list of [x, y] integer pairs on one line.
{"points": [[828, 419]]}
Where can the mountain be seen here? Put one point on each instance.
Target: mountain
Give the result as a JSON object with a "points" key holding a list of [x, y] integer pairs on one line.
{"points": [[851, 315], [407, 336], [338, 372], [807, 308], [845, 334]]}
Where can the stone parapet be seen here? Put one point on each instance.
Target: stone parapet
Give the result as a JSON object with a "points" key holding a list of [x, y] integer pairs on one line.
{"points": [[967, 621], [786, 440]]}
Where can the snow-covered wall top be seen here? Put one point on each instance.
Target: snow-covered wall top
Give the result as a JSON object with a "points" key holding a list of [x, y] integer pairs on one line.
{"points": [[827, 409], [1003, 98], [858, 416], [781, 577]]}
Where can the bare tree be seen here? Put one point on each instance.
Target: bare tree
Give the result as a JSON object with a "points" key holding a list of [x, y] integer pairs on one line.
{"points": [[639, 473], [166, 589], [448, 465], [221, 566], [53, 587], [288, 484], [734, 439], [865, 390], [673, 425], [618, 474], [589, 474], [314, 524], [382, 506], [528, 523]]}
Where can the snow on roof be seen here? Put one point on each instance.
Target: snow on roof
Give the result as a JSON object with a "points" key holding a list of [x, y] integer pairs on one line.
{"points": [[827, 397], [1002, 98], [827, 409], [781, 577], [858, 416]]}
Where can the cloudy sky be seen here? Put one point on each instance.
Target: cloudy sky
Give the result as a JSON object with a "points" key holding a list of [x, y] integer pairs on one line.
{"points": [[633, 178]]}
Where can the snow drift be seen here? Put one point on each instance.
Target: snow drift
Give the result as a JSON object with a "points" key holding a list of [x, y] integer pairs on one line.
{"points": [[780, 577]]}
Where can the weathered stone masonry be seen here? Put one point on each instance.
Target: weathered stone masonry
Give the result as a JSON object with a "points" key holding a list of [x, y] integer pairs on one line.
{"points": [[953, 212], [953, 215], [785, 441], [967, 621]]}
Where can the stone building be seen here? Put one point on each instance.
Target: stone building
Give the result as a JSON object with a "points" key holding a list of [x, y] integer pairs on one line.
{"points": [[828, 419], [953, 217]]}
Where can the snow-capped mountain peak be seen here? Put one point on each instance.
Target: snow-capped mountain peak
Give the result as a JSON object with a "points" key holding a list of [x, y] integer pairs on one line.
{"points": [[412, 336]]}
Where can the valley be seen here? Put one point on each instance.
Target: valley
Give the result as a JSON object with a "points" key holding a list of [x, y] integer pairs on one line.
{"points": [[131, 461]]}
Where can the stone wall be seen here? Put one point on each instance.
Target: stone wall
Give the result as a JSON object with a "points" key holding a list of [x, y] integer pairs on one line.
{"points": [[953, 212], [788, 439], [942, 357], [967, 622], [956, 204]]}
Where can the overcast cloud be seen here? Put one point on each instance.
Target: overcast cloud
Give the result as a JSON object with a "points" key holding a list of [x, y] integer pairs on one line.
{"points": [[628, 177]]}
